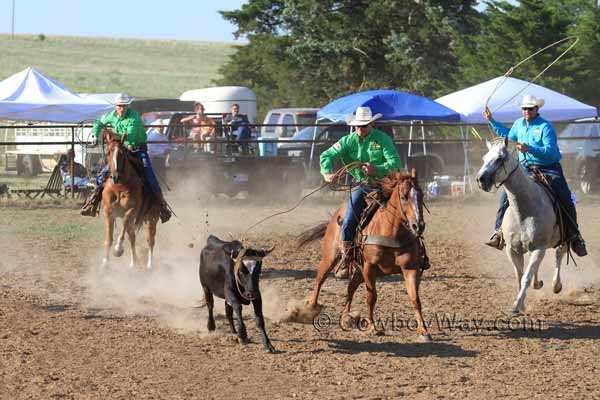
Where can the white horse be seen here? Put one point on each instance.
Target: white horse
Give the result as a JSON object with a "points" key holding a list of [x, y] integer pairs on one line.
{"points": [[529, 225]]}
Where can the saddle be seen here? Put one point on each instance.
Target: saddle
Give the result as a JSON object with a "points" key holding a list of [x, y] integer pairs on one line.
{"points": [[375, 200]]}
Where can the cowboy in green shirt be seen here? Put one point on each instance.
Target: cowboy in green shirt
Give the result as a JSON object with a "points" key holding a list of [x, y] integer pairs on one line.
{"points": [[376, 151], [125, 121]]}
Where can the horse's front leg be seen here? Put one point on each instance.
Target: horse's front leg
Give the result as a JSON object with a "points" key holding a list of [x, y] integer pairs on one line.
{"points": [[412, 280], [150, 239], [534, 262], [132, 237], [369, 277], [109, 228], [518, 262], [127, 220], [354, 283], [556, 283]]}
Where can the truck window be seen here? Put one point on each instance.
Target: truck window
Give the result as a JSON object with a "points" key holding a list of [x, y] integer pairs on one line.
{"points": [[288, 131], [273, 119]]}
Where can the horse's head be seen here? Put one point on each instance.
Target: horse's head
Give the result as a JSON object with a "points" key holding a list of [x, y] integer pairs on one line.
{"points": [[497, 166], [410, 196], [116, 153]]}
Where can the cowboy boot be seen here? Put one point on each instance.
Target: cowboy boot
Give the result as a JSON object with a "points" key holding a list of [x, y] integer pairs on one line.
{"points": [[342, 270], [496, 241], [90, 207]]}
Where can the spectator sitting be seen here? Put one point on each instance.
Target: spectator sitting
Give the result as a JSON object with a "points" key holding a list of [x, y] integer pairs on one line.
{"points": [[239, 124], [79, 171], [203, 127], [159, 153]]}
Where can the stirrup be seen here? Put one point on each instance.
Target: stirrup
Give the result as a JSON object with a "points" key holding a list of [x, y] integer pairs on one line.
{"points": [[343, 267]]}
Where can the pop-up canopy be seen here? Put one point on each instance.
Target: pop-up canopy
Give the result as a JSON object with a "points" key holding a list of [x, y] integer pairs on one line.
{"points": [[393, 105], [471, 101], [32, 96]]}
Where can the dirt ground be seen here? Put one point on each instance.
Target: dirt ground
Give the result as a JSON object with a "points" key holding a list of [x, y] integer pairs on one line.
{"points": [[69, 330]]}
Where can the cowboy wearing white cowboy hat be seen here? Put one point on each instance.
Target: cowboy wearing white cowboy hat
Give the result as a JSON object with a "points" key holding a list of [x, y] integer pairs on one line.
{"points": [[375, 149], [125, 120], [537, 145]]}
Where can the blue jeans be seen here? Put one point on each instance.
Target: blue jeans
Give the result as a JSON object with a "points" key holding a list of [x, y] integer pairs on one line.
{"points": [[148, 172], [355, 207], [560, 187]]}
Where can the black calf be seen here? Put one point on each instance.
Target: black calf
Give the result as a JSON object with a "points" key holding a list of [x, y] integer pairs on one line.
{"points": [[232, 272]]}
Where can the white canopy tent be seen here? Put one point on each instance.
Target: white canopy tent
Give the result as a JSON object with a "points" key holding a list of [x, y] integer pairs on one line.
{"points": [[470, 102], [505, 96], [31, 96]]}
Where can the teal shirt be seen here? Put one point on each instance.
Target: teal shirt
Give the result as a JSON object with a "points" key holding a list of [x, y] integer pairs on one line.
{"points": [[376, 148], [129, 123], [539, 135]]}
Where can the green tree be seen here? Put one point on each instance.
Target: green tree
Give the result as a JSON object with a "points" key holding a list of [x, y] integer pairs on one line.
{"points": [[309, 52], [510, 33]]}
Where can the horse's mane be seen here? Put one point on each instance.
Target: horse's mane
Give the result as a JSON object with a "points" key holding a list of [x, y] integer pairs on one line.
{"points": [[389, 182]]}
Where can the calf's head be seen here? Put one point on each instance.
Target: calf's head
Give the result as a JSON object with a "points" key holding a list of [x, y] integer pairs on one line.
{"points": [[247, 265]]}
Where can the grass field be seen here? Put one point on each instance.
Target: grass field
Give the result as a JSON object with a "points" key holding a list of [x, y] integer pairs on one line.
{"points": [[143, 68]]}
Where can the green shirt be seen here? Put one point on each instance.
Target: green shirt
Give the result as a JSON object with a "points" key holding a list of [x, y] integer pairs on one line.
{"points": [[129, 123], [376, 148]]}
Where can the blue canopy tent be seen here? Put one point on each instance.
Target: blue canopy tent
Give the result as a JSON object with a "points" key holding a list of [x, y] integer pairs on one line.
{"points": [[392, 104]]}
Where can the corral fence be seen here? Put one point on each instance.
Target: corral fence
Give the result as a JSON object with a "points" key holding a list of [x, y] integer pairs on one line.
{"points": [[447, 156]]}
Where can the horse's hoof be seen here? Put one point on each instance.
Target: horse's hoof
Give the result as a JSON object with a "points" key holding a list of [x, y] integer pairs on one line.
{"points": [[515, 312], [538, 285], [118, 252], [243, 340], [424, 338], [557, 288], [104, 264], [349, 322]]}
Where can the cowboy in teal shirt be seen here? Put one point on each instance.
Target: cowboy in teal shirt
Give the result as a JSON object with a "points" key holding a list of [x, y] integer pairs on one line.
{"points": [[376, 151], [537, 145], [539, 136]]}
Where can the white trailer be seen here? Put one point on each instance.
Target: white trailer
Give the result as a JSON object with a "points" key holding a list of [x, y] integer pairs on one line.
{"points": [[218, 100]]}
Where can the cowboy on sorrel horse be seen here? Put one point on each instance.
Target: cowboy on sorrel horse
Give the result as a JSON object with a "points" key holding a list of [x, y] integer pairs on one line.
{"points": [[390, 244], [126, 123], [123, 197], [394, 243], [374, 151]]}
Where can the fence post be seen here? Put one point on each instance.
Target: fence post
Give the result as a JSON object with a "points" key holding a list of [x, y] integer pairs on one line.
{"points": [[72, 162]]}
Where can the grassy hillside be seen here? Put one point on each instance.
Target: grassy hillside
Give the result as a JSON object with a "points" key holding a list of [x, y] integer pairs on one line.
{"points": [[143, 68]]}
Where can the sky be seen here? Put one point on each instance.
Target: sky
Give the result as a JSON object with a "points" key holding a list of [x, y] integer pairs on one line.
{"points": [[148, 19]]}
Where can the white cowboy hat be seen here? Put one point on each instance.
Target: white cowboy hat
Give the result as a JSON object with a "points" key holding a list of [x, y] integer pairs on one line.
{"points": [[363, 116], [122, 99], [158, 122], [530, 100]]}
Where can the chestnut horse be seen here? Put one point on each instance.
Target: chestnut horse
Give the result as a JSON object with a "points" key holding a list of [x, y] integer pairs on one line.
{"points": [[123, 197], [391, 244]]}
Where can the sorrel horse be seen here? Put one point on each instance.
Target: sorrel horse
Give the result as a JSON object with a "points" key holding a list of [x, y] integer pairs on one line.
{"points": [[391, 245], [123, 197], [529, 225]]}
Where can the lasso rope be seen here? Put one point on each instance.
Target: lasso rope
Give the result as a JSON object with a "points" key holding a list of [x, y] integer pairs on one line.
{"points": [[511, 69], [340, 173]]}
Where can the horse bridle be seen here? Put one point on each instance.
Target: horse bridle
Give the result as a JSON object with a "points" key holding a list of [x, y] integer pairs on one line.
{"points": [[497, 186], [403, 200]]}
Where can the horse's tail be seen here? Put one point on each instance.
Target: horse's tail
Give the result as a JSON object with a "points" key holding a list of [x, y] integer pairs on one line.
{"points": [[312, 234]]}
